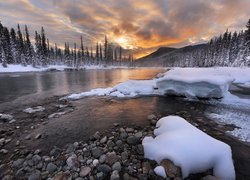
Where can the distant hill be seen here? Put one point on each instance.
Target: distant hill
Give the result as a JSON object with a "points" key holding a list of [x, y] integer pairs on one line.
{"points": [[168, 56]]}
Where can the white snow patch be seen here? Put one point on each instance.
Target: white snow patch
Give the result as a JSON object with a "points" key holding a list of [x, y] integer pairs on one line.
{"points": [[34, 109], [129, 88], [240, 119], [160, 171], [189, 148]]}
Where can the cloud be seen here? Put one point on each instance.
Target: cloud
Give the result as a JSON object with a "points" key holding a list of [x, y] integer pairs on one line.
{"points": [[142, 25]]}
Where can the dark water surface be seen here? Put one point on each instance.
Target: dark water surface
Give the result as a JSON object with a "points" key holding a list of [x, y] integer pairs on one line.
{"points": [[20, 88]]}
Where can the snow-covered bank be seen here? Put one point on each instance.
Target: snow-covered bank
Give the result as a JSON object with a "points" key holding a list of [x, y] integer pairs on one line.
{"points": [[11, 68], [19, 68], [189, 148], [189, 82]]}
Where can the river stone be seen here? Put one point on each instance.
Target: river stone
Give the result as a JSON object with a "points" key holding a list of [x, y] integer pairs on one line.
{"points": [[97, 135], [62, 176], [8, 177], [146, 167], [103, 140], [123, 135], [55, 152], [138, 134], [139, 149], [95, 162], [4, 151], [2, 141], [124, 155], [102, 158], [119, 143], [85, 170], [72, 162], [96, 152], [36, 175], [36, 159], [117, 166], [71, 148], [111, 158], [18, 163], [51, 167], [171, 170], [38, 136], [129, 130], [110, 143], [115, 175], [133, 140], [151, 117], [99, 175], [104, 168]]}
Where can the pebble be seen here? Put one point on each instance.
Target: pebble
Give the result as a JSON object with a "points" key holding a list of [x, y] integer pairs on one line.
{"points": [[85, 170], [103, 140], [51, 167], [117, 166], [95, 162], [104, 168], [72, 162], [133, 140], [115, 175], [4, 151]]}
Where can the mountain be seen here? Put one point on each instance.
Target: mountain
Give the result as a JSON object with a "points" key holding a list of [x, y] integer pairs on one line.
{"points": [[168, 56]]}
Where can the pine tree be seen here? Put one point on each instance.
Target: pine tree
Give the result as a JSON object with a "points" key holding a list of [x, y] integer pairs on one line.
{"points": [[28, 48], [20, 42], [13, 45], [247, 36], [105, 48], [44, 52]]}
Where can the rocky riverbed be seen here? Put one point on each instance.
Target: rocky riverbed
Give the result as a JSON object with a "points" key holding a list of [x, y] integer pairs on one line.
{"points": [[113, 153]]}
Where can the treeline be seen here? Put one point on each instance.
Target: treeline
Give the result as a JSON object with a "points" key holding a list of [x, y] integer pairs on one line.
{"points": [[229, 49], [16, 48]]}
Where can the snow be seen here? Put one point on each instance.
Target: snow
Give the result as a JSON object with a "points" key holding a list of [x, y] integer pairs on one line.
{"points": [[34, 109], [189, 148], [240, 119], [130, 88], [160, 171]]}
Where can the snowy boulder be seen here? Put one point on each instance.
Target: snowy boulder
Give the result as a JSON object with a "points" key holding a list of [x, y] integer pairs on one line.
{"points": [[194, 85], [188, 148]]}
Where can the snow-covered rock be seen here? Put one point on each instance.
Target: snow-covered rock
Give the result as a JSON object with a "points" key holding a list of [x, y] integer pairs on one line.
{"points": [[194, 84], [189, 148]]}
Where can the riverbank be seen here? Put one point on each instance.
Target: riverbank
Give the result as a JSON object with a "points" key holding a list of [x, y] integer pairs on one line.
{"points": [[31, 137]]}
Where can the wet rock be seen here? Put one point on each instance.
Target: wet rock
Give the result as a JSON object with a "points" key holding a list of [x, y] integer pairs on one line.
{"points": [[72, 162], [36, 159], [171, 170], [133, 140], [8, 177], [2, 141], [102, 158], [96, 152], [117, 166], [51, 168], [138, 135], [38, 136], [27, 137], [55, 152], [115, 175], [99, 175], [111, 158], [4, 151], [146, 167], [103, 140], [110, 143], [85, 170], [18, 163], [124, 155], [139, 149], [62, 176], [129, 130], [104, 168], [36, 175], [97, 135], [123, 135], [151, 117]]}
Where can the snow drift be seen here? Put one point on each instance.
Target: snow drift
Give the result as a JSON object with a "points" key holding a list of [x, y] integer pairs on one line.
{"points": [[189, 148]]}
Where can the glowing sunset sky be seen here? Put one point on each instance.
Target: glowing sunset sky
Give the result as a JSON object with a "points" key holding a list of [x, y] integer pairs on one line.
{"points": [[140, 25]]}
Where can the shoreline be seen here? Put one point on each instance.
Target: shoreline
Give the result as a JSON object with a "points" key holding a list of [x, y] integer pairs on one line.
{"points": [[27, 124]]}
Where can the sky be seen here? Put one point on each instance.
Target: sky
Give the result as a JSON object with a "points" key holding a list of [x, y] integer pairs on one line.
{"points": [[140, 26]]}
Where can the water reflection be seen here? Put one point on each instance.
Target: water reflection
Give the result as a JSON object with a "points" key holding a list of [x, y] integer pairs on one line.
{"points": [[59, 83]]}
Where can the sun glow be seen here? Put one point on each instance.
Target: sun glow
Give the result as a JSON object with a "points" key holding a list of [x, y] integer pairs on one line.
{"points": [[124, 42]]}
